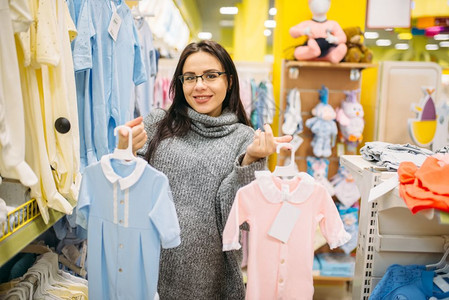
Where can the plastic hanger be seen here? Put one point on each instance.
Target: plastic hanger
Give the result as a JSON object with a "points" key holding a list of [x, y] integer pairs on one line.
{"points": [[124, 154], [442, 263], [289, 170]]}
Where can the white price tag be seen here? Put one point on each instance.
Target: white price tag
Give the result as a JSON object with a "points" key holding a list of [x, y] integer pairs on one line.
{"points": [[285, 222], [114, 24], [441, 283]]}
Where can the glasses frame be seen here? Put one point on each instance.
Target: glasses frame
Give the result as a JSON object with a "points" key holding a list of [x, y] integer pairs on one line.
{"points": [[181, 77]]}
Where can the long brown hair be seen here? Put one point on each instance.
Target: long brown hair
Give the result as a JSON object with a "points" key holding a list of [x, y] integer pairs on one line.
{"points": [[176, 122]]}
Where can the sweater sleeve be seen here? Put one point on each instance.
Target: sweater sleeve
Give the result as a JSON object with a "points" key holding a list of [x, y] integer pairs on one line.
{"points": [[150, 125], [239, 177]]}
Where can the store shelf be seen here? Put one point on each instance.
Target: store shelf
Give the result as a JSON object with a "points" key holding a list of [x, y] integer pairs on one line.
{"points": [[388, 231], [324, 64], [26, 231], [330, 279]]}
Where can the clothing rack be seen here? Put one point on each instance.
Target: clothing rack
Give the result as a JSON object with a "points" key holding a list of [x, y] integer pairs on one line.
{"points": [[388, 232], [30, 226], [41, 249], [30, 282]]}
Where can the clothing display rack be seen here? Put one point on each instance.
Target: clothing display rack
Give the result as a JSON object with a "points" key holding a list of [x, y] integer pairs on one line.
{"points": [[28, 224], [388, 232]]}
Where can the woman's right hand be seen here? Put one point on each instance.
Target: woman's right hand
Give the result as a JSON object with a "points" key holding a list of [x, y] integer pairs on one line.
{"points": [[139, 135]]}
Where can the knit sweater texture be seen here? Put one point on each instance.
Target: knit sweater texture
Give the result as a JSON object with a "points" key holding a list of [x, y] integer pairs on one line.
{"points": [[204, 170]]}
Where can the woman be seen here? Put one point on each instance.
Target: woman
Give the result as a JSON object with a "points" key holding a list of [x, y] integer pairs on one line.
{"points": [[207, 149]]}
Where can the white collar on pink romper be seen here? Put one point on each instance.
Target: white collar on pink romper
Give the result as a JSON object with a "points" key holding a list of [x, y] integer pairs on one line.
{"points": [[304, 189]]}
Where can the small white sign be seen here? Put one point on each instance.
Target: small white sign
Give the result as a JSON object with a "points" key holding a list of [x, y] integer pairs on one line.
{"points": [[284, 223]]}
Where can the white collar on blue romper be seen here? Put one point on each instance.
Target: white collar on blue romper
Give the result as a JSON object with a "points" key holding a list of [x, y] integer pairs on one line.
{"points": [[125, 182], [305, 188]]}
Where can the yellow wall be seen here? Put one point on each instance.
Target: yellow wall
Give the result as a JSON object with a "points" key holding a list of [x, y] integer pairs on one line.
{"points": [[249, 40], [227, 39]]}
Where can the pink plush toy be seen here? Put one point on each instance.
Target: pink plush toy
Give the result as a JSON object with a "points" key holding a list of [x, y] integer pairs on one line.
{"points": [[326, 39], [350, 120]]}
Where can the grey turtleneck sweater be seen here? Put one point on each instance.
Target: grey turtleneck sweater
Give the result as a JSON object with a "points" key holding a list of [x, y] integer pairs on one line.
{"points": [[204, 170]]}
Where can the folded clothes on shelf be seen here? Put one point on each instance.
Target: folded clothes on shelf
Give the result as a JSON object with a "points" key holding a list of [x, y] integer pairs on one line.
{"points": [[336, 264]]}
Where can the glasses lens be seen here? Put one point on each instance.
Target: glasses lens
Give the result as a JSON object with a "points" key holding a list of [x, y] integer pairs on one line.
{"points": [[188, 79], [210, 76]]}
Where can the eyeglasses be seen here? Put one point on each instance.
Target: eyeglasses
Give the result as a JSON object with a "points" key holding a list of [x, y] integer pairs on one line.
{"points": [[208, 77]]}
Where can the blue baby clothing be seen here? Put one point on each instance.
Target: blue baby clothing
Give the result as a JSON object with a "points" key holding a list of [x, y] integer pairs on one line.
{"points": [[116, 66], [411, 282], [128, 211]]}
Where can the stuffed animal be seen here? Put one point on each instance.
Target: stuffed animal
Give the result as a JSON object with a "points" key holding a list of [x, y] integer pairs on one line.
{"points": [[323, 126], [326, 39], [357, 52], [350, 120], [318, 168]]}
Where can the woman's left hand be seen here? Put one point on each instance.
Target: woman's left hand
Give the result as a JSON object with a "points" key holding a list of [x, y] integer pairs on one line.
{"points": [[264, 145]]}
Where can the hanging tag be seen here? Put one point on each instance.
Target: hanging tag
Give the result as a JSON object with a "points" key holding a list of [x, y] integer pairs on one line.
{"points": [[441, 283], [114, 24], [285, 222]]}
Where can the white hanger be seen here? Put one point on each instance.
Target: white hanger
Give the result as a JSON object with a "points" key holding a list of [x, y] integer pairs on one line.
{"points": [[124, 154], [440, 264], [290, 169]]}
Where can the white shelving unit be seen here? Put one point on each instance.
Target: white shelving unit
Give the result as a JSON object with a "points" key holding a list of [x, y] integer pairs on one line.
{"points": [[388, 232]]}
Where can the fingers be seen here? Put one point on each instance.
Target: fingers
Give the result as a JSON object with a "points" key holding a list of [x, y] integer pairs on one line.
{"points": [[269, 139], [261, 139], [283, 139], [134, 122], [138, 133], [139, 137]]}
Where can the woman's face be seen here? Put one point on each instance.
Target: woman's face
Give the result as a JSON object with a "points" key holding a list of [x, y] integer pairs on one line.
{"points": [[204, 95]]}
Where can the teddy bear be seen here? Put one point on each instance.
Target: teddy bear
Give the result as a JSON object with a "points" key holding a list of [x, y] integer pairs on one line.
{"points": [[326, 39], [323, 126], [357, 52]]}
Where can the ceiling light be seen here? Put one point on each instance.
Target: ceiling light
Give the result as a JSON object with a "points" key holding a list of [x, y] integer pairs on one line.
{"points": [[444, 44], [405, 36], [229, 10], [432, 47], [441, 37], [371, 35], [383, 42], [226, 23], [267, 32], [272, 11], [204, 35], [401, 46], [270, 23]]}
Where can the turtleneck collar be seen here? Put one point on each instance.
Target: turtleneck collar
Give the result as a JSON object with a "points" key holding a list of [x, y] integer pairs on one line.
{"points": [[209, 126]]}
